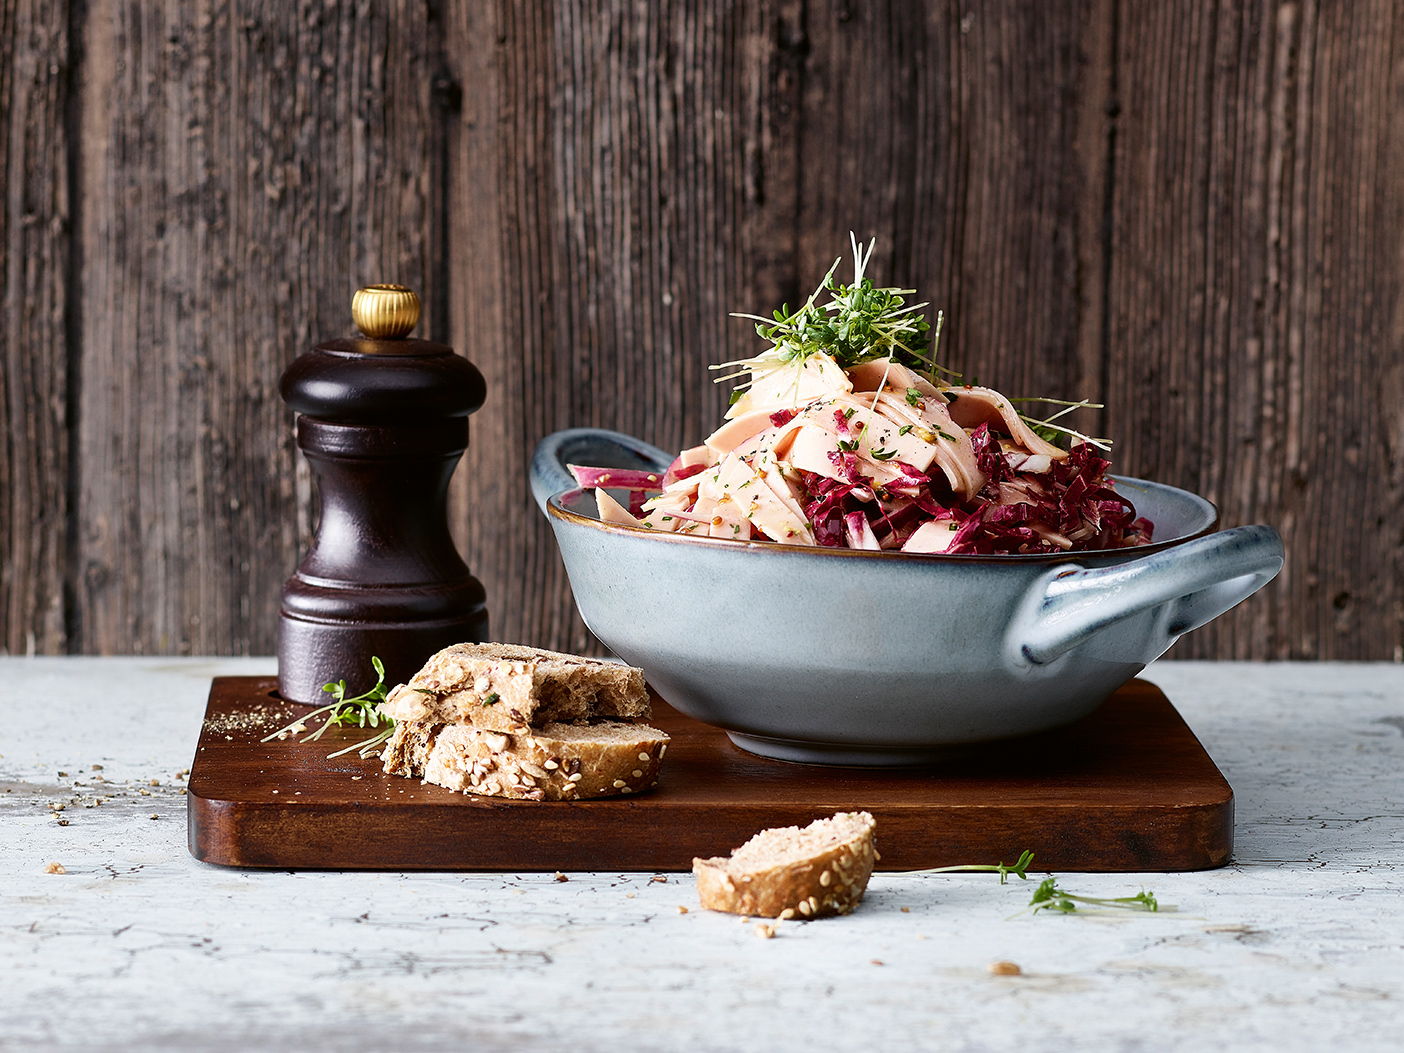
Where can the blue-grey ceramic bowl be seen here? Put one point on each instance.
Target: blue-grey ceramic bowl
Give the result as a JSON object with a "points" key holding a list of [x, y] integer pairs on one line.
{"points": [[886, 658]]}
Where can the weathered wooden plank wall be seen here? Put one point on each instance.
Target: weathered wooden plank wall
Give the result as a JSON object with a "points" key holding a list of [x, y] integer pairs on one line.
{"points": [[1190, 211], [35, 253]]}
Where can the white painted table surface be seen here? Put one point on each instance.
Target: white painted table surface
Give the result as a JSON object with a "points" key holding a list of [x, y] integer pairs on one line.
{"points": [[1298, 944]]}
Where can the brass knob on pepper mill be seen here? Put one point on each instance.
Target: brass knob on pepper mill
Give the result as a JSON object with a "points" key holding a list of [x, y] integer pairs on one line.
{"points": [[382, 420]]}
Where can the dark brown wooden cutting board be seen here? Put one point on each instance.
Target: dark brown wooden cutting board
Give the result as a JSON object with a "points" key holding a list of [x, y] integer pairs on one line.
{"points": [[1128, 788]]}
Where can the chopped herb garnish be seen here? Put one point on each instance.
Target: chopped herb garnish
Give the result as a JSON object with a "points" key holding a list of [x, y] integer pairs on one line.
{"points": [[1019, 868], [492, 699], [344, 712], [904, 429], [1048, 896], [883, 455], [913, 397]]}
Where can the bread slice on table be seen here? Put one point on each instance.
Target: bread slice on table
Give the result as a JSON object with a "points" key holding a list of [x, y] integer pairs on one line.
{"points": [[558, 762], [507, 687], [791, 872]]}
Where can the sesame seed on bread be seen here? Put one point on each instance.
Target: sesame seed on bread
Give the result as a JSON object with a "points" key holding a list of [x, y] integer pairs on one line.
{"points": [[507, 688], [557, 762], [791, 872]]}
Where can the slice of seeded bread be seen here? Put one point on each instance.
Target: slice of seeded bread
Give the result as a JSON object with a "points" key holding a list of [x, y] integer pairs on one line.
{"points": [[791, 872], [506, 687], [558, 762]]}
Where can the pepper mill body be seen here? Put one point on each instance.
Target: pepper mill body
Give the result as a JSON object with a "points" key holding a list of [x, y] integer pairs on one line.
{"points": [[383, 422]]}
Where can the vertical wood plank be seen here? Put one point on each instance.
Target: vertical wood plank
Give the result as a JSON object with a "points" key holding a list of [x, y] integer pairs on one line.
{"points": [[612, 197], [34, 260], [971, 141], [246, 167], [1253, 349]]}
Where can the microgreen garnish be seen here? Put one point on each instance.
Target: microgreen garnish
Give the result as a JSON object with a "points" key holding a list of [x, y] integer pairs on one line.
{"points": [[1050, 432], [1018, 868], [359, 711], [883, 455], [860, 322], [1048, 896]]}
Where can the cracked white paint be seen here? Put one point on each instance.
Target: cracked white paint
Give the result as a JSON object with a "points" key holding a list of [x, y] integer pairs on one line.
{"points": [[1299, 944]]}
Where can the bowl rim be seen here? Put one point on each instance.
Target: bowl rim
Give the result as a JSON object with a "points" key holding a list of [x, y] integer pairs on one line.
{"points": [[556, 509]]}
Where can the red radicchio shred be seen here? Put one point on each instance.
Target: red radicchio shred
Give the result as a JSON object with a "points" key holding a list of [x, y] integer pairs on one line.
{"points": [[855, 527], [989, 458], [676, 471], [615, 478], [1010, 514]]}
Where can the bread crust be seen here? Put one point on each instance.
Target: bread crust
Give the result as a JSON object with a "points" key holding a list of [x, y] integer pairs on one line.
{"points": [[558, 762], [508, 688], [827, 874]]}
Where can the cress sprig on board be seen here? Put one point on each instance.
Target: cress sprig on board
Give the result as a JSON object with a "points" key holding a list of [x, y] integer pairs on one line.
{"points": [[357, 711]]}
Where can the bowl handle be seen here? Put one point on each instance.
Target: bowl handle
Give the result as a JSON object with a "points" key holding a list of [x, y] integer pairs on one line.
{"points": [[1200, 580], [595, 447]]}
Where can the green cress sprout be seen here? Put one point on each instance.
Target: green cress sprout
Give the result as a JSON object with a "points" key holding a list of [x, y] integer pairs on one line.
{"points": [[1019, 869], [359, 711], [1049, 432], [1048, 896], [862, 322]]}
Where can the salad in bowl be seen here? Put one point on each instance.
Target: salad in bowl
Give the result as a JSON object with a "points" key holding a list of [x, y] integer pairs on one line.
{"points": [[870, 561]]}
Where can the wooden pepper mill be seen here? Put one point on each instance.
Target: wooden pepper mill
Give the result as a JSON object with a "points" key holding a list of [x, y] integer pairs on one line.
{"points": [[383, 421]]}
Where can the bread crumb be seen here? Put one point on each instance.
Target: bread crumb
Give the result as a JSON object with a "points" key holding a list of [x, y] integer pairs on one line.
{"points": [[63, 822], [1004, 969], [155, 816], [659, 878], [877, 961], [905, 910], [628, 895], [558, 876], [765, 932], [154, 782], [55, 868], [682, 909]]}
